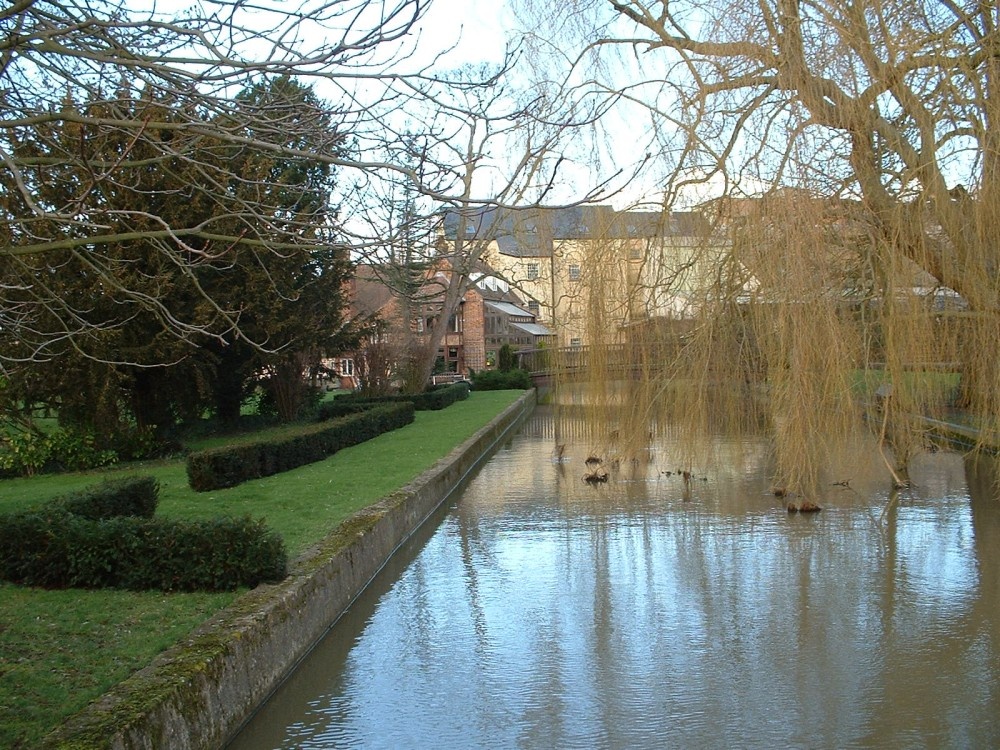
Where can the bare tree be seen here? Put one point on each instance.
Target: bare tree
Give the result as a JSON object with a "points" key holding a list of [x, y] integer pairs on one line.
{"points": [[888, 108], [485, 144], [456, 141]]}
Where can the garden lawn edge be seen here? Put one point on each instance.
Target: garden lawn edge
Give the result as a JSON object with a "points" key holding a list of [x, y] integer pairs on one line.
{"points": [[197, 694]]}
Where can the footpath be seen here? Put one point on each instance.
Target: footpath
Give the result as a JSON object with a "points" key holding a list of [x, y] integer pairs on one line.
{"points": [[957, 433]]}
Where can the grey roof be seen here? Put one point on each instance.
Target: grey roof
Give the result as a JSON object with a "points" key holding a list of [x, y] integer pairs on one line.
{"points": [[535, 329], [531, 232], [508, 309]]}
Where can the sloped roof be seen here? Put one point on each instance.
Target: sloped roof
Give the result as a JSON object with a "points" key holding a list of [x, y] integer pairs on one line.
{"points": [[532, 232], [369, 292], [510, 309], [535, 329]]}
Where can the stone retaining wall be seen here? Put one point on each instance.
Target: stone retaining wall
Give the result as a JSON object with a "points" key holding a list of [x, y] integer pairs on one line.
{"points": [[197, 694]]}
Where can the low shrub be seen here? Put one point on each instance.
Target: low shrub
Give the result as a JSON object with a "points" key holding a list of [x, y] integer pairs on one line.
{"points": [[131, 496], [29, 453], [431, 400], [106, 537], [52, 548], [24, 454], [441, 397], [231, 465], [341, 407], [495, 380]]}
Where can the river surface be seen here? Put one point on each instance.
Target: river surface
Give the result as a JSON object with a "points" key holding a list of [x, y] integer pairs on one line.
{"points": [[540, 611]]}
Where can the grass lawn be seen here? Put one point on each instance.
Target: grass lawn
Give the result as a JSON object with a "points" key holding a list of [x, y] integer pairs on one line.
{"points": [[61, 649], [927, 385]]}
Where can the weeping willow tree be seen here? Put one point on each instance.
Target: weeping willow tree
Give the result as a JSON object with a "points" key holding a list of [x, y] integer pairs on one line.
{"points": [[851, 275]]}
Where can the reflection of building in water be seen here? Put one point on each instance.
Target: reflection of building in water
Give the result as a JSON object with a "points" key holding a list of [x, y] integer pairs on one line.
{"points": [[675, 623]]}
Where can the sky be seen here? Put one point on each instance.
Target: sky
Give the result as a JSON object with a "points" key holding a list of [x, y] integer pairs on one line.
{"points": [[479, 28]]}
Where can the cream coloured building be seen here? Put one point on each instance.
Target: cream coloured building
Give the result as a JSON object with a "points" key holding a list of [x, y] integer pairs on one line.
{"points": [[588, 271]]}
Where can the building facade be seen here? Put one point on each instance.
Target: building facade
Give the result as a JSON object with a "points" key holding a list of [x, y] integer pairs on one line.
{"points": [[489, 315], [592, 270]]}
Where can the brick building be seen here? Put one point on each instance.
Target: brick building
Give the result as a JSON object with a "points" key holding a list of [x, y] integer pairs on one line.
{"points": [[489, 315]]}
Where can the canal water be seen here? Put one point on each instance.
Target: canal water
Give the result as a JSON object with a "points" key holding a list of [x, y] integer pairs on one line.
{"points": [[541, 611]]}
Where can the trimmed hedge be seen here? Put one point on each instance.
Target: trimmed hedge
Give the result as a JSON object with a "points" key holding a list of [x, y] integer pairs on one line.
{"points": [[432, 400], [105, 537], [501, 380], [340, 407], [131, 496], [229, 466], [55, 549], [442, 397]]}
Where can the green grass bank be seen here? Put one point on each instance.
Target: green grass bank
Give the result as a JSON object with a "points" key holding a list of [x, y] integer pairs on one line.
{"points": [[60, 650]]}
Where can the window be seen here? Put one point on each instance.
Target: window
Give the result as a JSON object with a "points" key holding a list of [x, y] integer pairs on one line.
{"points": [[533, 307], [347, 367], [533, 270], [574, 271], [455, 324], [576, 343], [635, 253]]}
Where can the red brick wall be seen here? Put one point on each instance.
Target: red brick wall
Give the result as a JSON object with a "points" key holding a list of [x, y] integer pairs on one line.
{"points": [[473, 332]]}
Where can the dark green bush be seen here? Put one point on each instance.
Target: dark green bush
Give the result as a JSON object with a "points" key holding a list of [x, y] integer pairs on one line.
{"points": [[131, 496], [30, 453], [217, 468], [53, 548], [75, 450], [507, 359], [441, 397], [431, 400], [495, 380], [341, 407]]}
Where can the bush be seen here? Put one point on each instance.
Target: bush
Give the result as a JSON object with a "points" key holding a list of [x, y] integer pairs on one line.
{"points": [[106, 537], [441, 397], [133, 443], [29, 453], [431, 400], [132, 496], [52, 548], [24, 454], [341, 407], [507, 359], [229, 466], [495, 380], [76, 451]]}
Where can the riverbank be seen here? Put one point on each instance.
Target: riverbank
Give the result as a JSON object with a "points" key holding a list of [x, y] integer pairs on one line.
{"points": [[61, 649]]}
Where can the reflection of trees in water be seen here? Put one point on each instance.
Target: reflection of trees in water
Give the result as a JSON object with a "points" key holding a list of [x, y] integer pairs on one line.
{"points": [[983, 476], [623, 616], [659, 451], [852, 625]]}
